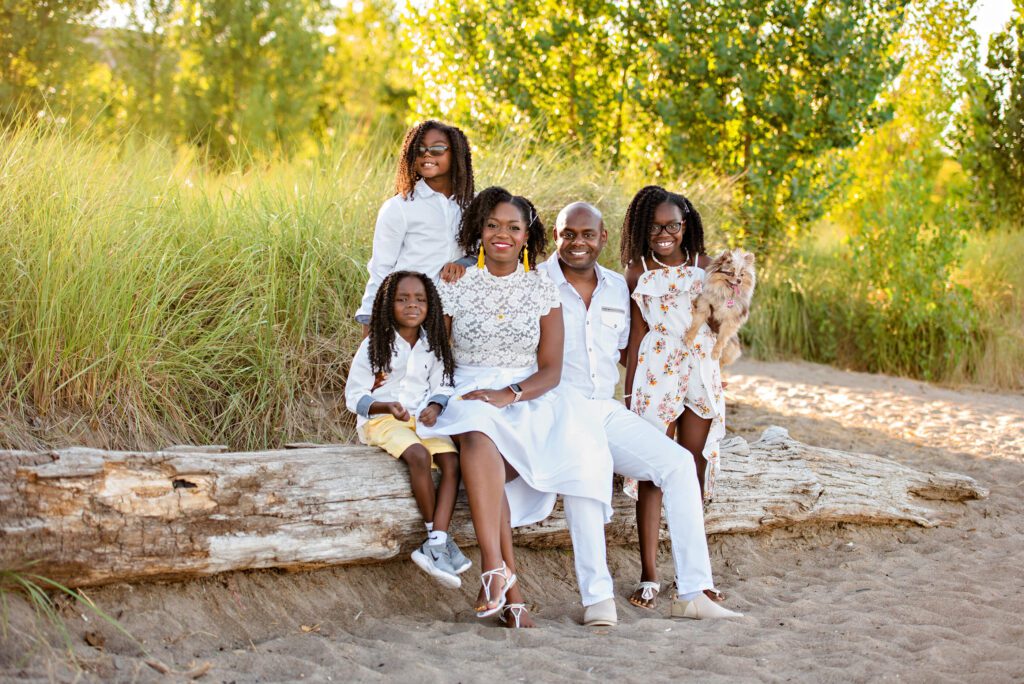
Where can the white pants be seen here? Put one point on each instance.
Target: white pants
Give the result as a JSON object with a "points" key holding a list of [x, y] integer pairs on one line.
{"points": [[643, 452]]}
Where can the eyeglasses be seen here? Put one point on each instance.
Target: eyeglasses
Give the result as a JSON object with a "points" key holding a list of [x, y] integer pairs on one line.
{"points": [[670, 228], [433, 150]]}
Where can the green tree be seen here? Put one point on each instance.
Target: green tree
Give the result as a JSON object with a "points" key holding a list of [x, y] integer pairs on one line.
{"points": [[991, 130], [43, 53], [573, 67], [764, 92], [365, 74], [249, 74], [760, 92]]}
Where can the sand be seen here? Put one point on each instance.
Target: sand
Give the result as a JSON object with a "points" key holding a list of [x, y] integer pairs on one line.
{"points": [[822, 604]]}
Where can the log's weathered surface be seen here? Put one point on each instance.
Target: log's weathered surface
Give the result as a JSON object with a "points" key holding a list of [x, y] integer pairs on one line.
{"points": [[88, 517]]}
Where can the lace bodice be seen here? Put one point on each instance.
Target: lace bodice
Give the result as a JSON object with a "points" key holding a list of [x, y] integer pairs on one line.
{"points": [[496, 320]]}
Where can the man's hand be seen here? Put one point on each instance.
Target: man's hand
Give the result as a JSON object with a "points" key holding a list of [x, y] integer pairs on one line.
{"points": [[498, 398], [452, 272], [428, 416]]}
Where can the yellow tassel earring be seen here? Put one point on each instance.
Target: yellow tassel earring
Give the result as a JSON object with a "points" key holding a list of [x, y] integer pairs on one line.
{"points": [[526, 260], [480, 259]]}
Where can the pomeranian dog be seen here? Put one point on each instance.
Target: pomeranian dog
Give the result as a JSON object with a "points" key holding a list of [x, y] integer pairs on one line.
{"points": [[725, 300]]}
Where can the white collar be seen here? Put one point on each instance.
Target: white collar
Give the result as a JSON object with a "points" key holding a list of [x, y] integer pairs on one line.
{"points": [[558, 277], [424, 191]]}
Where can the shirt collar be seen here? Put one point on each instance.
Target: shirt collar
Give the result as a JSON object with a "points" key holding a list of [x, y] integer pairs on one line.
{"points": [[423, 191], [558, 277]]}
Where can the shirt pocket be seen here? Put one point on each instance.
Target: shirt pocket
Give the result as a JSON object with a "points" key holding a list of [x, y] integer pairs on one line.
{"points": [[613, 324]]}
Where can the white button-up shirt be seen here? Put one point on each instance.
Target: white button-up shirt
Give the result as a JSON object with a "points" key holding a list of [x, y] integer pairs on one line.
{"points": [[418, 234], [416, 379], [594, 335]]}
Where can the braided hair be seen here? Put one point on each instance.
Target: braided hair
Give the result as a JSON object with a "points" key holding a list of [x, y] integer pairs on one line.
{"points": [[462, 161], [636, 228], [383, 326], [476, 214]]}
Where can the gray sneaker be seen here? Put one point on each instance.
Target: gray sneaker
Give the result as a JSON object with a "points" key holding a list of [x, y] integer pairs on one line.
{"points": [[458, 560], [434, 561]]}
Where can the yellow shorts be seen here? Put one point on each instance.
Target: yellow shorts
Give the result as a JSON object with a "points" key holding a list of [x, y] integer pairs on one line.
{"points": [[395, 437]]}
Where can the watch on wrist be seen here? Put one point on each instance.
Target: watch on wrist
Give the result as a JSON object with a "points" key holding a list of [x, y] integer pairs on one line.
{"points": [[516, 390]]}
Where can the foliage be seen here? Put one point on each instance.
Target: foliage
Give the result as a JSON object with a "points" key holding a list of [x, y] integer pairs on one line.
{"points": [[991, 130], [42, 54], [365, 77], [757, 92], [249, 74]]}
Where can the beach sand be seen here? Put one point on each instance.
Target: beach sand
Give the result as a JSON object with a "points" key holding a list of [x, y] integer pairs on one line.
{"points": [[837, 603]]}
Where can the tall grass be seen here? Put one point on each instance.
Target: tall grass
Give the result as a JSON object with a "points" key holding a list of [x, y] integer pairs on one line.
{"points": [[150, 300], [146, 299], [817, 305]]}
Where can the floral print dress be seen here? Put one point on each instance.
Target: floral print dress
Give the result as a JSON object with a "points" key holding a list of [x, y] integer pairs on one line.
{"points": [[669, 375]]}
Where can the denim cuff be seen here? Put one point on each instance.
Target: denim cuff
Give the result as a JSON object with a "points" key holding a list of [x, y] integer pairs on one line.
{"points": [[440, 399], [363, 407]]}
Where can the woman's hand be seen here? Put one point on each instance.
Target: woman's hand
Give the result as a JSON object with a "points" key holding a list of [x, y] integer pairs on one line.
{"points": [[428, 416], [451, 272], [498, 398]]}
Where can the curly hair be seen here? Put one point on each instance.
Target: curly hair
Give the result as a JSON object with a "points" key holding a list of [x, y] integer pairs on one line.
{"points": [[462, 161], [476, 214], [383, 325], [636, 228]]}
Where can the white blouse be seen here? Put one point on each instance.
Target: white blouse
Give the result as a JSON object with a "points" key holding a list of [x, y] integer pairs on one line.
{"points": [[415, 234], [496, 320]]}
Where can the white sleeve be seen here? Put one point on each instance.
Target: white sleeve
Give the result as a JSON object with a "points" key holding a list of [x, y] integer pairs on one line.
{"points": [[360, 380], [439, 385], [388, 237]]}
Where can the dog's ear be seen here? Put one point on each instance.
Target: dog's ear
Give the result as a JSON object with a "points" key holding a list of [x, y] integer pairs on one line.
{"points": [[749, 258]]}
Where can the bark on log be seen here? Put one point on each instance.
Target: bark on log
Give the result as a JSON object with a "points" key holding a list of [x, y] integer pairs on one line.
{"points": [[88, 517]]}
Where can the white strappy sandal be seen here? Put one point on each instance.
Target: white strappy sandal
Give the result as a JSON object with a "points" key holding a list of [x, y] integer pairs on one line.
{"points": [[648, 592], [485, 580], [517, 610]]}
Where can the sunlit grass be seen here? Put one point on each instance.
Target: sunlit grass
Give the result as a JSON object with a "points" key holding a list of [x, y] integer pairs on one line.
{"points": [[149, 299]]}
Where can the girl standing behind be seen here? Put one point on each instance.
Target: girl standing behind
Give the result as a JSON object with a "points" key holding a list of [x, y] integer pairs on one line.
{"points": [[418, 228], [676, 387], [401, 375]]}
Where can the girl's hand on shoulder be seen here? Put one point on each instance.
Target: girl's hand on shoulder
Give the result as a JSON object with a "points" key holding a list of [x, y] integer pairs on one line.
{"points": [[452, 272], [428, 416], [498, 398], [398, 411]]}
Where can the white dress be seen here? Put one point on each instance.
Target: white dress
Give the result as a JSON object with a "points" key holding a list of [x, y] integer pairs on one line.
{"points": [[495, 335], [669, 375]]}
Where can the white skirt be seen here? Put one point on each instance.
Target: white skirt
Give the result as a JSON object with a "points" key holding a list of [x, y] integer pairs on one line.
{"points": [[550, 441]]}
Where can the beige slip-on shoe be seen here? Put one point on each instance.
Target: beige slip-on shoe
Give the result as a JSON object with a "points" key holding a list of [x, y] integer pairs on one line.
{"points": [[601, 614], [701, 608]]}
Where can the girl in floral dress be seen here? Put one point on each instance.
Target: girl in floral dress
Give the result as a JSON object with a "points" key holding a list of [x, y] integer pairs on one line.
{"points": [[676, 387]]}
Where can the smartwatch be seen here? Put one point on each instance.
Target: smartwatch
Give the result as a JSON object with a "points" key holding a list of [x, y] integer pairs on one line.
{"points": [[516, 390]]}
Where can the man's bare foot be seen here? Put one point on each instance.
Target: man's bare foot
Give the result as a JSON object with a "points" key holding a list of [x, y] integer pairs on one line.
{"points": [[645, 595], [516, 616]]}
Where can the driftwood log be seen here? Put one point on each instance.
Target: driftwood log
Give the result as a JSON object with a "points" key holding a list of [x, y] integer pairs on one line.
{"points": [[87, 517]]}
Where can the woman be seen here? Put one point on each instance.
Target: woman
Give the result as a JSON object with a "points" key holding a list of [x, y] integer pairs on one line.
{"points": [[512, 425]]}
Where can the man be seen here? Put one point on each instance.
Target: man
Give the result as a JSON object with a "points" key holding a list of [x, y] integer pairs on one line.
{"points": [[595, 310]]}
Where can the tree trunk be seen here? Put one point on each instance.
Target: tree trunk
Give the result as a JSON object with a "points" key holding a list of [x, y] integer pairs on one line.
{"points": [[88, 517]]}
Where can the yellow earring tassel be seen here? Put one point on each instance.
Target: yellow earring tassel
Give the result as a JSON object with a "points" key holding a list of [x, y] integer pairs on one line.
{"points": [[526, 261], [480, 259]]}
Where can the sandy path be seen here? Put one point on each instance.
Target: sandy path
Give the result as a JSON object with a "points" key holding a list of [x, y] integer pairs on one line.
{"points": [[836, 604]]}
